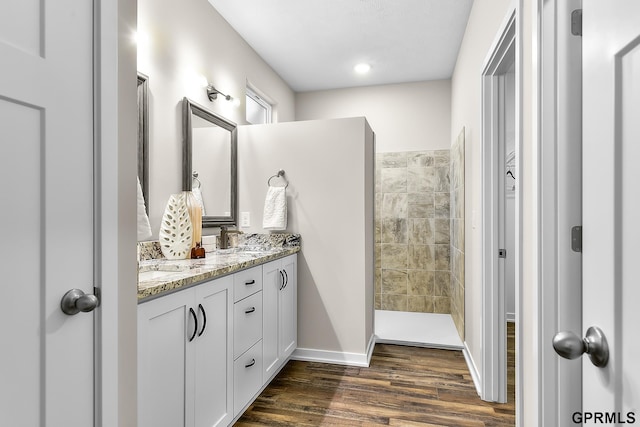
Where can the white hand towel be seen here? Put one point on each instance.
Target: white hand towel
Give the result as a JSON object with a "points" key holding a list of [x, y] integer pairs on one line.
{"points": [[275, 209], [198, 195], [144, 228]]}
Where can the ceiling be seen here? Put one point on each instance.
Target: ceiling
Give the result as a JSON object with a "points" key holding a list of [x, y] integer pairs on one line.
{"points": [[314, 44]]}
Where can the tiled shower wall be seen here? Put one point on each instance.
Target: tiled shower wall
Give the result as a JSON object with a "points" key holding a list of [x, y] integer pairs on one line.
{"points": [[457, 233], [412, 231]]}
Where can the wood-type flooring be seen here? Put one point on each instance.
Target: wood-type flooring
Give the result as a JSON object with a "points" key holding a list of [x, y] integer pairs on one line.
{"points": [[404, 386]]}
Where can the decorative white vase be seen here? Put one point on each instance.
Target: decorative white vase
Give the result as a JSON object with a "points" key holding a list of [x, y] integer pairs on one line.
{"points": [[176, 230]]}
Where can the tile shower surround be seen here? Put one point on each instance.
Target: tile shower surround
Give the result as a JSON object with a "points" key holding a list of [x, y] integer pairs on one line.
{"points": [[413, 231]]}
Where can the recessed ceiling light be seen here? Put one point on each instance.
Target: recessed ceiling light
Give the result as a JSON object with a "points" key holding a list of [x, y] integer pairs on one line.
{"points": [[362, 68]]}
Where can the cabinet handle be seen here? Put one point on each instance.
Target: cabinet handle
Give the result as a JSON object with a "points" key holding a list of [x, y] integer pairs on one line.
{"points": [[251, 310], [250, 282], [195, 319], [204, 319], [282, 277], [253, 362], [286, 279]]}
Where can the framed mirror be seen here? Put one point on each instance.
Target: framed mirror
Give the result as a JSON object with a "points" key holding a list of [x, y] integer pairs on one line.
{"points": [[143, 136], [209, 165]]}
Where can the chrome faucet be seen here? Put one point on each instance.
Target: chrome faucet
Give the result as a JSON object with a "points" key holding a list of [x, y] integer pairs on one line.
{"points": [[224, 236]]}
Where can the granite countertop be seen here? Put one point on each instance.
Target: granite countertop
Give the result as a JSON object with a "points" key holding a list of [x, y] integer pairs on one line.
{"points": [[159, 276]]}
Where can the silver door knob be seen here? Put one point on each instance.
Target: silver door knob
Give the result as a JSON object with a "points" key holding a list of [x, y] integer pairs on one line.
{"points": [[570, 346], [75, 301]]}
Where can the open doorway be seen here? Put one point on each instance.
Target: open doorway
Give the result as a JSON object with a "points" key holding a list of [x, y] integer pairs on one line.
{"points": [[500, 223]]}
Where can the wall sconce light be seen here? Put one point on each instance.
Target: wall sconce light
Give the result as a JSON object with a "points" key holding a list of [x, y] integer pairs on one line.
{"points": [[212, 93]]}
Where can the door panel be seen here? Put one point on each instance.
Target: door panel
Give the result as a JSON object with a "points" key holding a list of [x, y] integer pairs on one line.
{"points": [[19, 367], [611, 61], [165, 359], [287, 309], [628, 289], [272, 281], [46, 173], [213, 360]]}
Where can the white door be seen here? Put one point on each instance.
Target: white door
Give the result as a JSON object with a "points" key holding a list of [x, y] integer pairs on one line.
{"points": [[611, 204], [46, 212]]}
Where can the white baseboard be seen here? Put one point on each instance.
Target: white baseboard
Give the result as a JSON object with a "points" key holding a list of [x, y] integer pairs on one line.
{"points": [[511, 317], [336, 357], [475, 375]]}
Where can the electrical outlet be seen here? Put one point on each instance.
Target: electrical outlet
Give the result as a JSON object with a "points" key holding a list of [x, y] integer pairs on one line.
{"points": [[245, 219]]}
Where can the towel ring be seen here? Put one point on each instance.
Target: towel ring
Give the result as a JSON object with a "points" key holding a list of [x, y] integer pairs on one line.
{"points": [[195, 178], [280, 174]]}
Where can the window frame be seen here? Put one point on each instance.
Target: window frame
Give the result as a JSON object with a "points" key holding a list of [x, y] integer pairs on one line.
{"points": [[262, 102]]}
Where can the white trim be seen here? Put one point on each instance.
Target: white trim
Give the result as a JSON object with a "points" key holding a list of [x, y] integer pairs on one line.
{"points": [[473, 369], [115, 107], [336, 357], [511, 317], [370, 348], [505, 50]]}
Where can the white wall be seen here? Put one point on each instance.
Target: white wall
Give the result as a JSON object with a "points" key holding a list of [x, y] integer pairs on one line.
{"points": [[180, 40], [405, 117], [484, 22], [329, 166]]}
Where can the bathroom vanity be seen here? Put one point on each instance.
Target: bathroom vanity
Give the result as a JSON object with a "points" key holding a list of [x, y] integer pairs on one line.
{"points": [[212, 333]]}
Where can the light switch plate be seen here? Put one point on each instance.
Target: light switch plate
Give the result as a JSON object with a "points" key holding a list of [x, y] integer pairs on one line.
{"points": [[245, 219]]}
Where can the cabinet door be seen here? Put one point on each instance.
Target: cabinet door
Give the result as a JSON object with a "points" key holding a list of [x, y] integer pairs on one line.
{"points": [[272, 281], [165, 384], [213, 360], [288, 309]]}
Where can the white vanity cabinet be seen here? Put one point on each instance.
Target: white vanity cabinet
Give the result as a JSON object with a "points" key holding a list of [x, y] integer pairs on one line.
{"points": [[185, 360], [280, 325], [206, 352]]}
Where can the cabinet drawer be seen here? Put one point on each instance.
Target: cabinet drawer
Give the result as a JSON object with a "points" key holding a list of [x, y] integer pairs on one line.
{"points": [[247, 282], [247, 377], [247, 323]]}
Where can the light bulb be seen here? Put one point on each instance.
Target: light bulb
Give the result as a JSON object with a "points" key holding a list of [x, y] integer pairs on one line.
{"points": [[362, 68]]}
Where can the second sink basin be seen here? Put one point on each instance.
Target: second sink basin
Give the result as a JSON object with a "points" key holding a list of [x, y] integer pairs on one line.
{"points": [[146, 276]]}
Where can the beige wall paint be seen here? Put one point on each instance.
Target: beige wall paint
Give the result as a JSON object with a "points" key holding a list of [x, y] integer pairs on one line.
{"points": [[329, 166], [466, 94], [484, 22], [179, 42], [405, 117]]}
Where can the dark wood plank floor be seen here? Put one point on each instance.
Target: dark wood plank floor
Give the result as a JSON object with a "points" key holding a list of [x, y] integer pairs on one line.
{"points": [[404, 386]]}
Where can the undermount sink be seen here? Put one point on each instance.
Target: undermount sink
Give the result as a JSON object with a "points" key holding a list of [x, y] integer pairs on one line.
{"points": [[145, 276]]}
